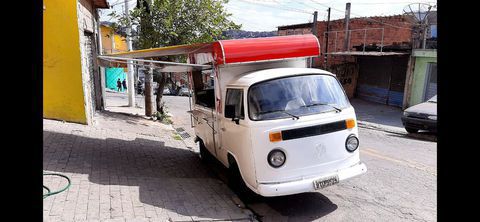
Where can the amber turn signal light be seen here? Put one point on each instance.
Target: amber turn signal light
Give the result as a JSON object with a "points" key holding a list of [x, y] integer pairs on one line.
{"points": [[275, 136], [350, 123]]}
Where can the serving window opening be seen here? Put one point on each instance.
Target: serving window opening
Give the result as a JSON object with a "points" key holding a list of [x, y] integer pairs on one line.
{"points": [[203, 88]]}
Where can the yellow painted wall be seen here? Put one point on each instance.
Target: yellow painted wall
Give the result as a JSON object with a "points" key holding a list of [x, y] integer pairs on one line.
{"points": [[120, 41], [63, 96], [106, 39]]}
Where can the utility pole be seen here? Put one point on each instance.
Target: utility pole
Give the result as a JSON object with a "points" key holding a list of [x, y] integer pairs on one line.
{"points": [[326, 40], [314, 32], [130, 78], [347, 33]]}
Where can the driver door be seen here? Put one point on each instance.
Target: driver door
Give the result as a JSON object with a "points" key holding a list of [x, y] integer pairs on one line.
{"points": [[236, 136]]}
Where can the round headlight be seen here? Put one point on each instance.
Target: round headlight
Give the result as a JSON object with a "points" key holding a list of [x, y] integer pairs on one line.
{"points": [[352, 143], [276, 158]]}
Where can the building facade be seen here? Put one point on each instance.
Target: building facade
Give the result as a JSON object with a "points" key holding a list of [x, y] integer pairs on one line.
{"points": [[71, 82], [112, 42], [423, 79], [372, 61]]}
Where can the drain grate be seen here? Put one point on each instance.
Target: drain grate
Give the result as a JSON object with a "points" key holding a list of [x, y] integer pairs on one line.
{"points": [[184, 135], [181, 131]]}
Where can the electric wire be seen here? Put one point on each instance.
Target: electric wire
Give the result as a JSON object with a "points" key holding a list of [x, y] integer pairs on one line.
{"points": [[363, 17], [273, 6]]}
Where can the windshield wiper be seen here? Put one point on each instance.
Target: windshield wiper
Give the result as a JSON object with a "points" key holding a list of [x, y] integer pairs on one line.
{"points": [[324, 104], [283, 111]]}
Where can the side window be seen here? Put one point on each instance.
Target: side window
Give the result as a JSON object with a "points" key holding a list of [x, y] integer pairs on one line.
{"points": [[235, 97], [203, 83]]}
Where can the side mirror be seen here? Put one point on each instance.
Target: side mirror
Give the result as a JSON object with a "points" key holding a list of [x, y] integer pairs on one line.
{"points": [[230, 111]]}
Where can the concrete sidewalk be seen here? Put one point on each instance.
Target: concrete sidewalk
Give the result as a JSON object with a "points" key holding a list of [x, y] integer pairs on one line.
{"points": [[378, 116], [129, 168]]}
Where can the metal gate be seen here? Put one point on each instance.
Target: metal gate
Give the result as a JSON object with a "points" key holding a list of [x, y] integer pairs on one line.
{"points": [[93, 78]]}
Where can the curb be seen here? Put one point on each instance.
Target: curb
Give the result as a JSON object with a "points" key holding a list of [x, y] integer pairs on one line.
{"points": [[380, 127], [394, 130]]}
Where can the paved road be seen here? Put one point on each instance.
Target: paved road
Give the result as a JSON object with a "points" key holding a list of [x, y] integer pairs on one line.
{"points": [[400, 184]]}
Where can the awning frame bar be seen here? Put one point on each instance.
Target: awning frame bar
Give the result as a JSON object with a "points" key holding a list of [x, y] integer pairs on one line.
{"points": [[153, 61]]}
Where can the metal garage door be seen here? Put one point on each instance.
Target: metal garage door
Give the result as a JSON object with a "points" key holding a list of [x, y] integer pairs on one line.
{"points": [[382, 79]]}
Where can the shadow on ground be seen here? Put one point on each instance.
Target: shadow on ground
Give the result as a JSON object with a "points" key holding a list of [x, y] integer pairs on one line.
{"points": [[166, 177], [169, 178], [298, 207], [123, 117], [421, 136]]}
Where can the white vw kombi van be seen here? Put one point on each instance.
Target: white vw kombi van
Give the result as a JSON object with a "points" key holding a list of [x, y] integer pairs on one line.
{"points": [[281, 127]]}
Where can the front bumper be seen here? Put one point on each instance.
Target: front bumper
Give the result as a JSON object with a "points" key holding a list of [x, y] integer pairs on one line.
{"points": [[420, 124], [306, 185]]}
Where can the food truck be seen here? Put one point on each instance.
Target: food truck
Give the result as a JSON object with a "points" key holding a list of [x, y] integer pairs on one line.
{"points": [[258, 108]]}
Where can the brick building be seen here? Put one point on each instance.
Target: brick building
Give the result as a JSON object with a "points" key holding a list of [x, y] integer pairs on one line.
{"points": [[373, 64], [397, 35]]}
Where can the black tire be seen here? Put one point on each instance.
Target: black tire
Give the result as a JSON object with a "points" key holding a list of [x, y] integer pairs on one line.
{"points": [[205, 156], [236, 183], [411, 130]]}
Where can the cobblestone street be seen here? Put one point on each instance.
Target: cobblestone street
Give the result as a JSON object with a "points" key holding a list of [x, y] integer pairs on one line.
{"points": [[130, 169]]}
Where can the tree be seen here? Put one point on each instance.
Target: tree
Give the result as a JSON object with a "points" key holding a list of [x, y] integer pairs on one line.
{"points": [[159, 23]]}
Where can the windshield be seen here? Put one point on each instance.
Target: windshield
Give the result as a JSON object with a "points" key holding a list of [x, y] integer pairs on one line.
{"points": [[433, 99], [298, 96]]}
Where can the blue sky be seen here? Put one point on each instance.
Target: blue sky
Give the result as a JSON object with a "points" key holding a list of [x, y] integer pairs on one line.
{"points": [[267, 15]]}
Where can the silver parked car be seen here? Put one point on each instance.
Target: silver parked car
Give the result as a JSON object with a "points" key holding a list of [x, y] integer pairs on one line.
{"points": [[422, 116], [184, 92]]}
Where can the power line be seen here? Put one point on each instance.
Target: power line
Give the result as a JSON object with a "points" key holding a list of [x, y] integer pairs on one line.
{"points": [[309, 6], [288, 7], [362, 17], [255, 24], [388, 3], [282, 8], [121, 2]]}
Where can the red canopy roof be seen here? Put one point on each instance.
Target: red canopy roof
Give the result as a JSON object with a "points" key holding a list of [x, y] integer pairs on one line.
{"points": [[239, 50], [260, 49]]}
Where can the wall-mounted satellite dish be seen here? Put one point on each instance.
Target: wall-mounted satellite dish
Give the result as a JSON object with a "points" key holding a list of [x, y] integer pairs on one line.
{"points": [[418, 14]]}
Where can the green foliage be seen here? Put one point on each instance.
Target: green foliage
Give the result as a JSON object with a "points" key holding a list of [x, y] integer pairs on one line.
{"points": [[163, 117], [176, 22], [177, 137]]}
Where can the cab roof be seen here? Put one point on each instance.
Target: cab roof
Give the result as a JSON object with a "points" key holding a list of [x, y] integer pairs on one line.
{"points": [[267, 74]]}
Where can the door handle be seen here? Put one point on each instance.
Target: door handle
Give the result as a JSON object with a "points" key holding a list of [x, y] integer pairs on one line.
{"points": [[223, 129]]}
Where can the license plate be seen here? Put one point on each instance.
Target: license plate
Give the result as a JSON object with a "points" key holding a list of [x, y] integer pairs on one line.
{"points": [[325, 182]]}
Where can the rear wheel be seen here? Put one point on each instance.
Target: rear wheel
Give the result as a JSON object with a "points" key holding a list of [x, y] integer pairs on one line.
{"points": [[204, 154], [411, 130]]}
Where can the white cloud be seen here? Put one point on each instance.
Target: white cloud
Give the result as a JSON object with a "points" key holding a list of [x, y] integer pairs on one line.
{"points": [[266, 15]]}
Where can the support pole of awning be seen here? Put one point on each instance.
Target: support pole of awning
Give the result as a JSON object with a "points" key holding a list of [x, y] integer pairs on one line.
{"points": [[156, 62]]}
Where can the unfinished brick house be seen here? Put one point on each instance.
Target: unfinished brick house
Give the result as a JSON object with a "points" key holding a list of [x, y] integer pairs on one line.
{"points": [[372, 63]]}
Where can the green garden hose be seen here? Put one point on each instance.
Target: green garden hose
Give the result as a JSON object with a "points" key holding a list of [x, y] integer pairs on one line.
{"points": [[49, 192]]}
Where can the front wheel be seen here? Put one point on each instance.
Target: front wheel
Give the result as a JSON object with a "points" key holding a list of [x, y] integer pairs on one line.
{"points": [[236, 183]]}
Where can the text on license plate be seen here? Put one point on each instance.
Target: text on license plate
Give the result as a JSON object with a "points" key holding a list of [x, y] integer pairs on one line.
{"points": [[325, 182]]}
